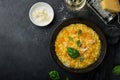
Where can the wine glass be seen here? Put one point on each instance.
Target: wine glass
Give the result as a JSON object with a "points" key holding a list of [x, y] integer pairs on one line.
{"points": [[75, 5]]}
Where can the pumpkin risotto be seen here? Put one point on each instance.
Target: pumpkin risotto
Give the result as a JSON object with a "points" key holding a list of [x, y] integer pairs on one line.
{"points": [[77, 46]]}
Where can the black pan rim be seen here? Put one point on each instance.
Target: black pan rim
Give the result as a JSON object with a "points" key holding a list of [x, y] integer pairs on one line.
{"points": [[95, 28]]}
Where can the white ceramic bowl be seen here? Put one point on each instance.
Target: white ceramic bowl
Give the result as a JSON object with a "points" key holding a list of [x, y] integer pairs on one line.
{"points": [[38, 6]]}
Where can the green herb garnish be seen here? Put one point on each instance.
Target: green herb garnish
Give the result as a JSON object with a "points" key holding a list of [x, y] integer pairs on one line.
{"points": [[116, 70], [54, 75], [81, 58], [70, 38], [73, 53], [67, 78], [79, 32], [78, 43]]}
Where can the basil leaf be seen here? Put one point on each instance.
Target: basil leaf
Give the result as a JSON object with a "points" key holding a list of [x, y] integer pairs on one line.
{"points": [[116, 70], [70, 38], [81, 58], [79, 32], [67, 78], [73, 53], [78, 43], [54, 75]]}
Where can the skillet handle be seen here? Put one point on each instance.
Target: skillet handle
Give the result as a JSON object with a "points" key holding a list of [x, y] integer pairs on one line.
{"points": [[118, 18], [113, 25]]}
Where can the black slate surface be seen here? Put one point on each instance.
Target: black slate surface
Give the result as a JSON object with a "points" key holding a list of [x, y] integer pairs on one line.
{"points": [[24, 47]]}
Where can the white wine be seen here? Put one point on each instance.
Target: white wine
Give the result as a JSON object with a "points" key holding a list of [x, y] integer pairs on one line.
{"points": [[75, 4]]}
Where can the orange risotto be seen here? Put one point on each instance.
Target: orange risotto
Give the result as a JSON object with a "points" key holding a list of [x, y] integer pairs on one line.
{"points": [[77, 46]]}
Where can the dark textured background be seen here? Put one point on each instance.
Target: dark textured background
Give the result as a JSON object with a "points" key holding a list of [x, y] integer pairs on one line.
{"points": [[24, 47]]}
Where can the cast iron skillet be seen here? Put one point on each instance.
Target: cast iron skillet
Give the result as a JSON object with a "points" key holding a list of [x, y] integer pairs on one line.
{"points": [[95, 28]]}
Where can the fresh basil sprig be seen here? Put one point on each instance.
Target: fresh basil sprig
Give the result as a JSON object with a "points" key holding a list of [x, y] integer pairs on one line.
{"points": [[73, 53], [81, 58], [116, 70], [54, 75], [78, 43], [79, 32], [70, 39], [67, 78]]}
